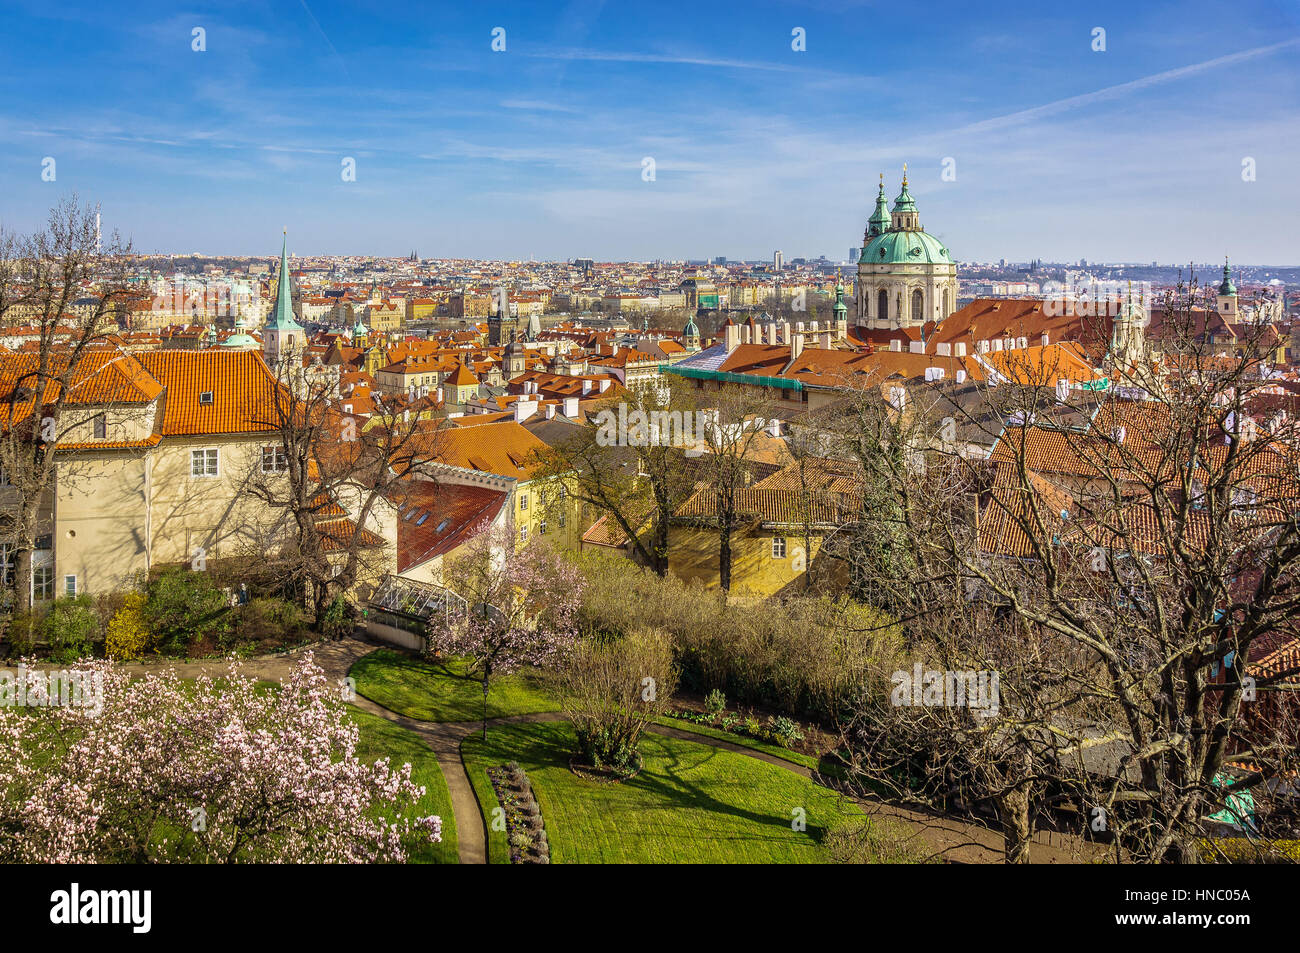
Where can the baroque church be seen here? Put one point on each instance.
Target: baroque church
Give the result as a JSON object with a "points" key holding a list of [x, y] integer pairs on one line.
{"points": [[906, 276]]}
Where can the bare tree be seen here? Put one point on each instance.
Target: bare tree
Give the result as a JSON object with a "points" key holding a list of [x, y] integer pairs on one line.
{"points": [[66, 287], [334, 474]]}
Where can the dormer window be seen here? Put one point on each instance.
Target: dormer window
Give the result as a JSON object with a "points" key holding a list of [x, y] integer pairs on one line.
{"points": [[205, 397]]}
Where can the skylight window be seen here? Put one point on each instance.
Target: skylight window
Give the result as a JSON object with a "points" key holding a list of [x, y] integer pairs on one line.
{"points": [[205, 397], [442, 526]]}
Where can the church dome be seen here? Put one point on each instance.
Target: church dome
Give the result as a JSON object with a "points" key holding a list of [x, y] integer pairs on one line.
{"points": [[903, 248]]}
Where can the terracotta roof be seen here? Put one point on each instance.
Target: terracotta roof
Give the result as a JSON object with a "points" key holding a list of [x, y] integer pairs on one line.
{"points": [[504, 448], [770, 505], [336, 536], [240, 382], [435, 518]]}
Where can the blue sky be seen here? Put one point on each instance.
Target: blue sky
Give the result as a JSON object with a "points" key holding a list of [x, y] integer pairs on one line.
{"points": [[1060, 152]]}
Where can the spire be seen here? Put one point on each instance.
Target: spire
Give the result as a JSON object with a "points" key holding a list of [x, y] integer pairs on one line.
{"points": [[1227, 288], [904, 202], [282, 316], [879, 221]]}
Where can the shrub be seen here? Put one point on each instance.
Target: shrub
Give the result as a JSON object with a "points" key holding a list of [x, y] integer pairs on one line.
{"points": [[613, 688], [715, 703], [185, 607], [128, 635], [784, 731], [339, 619], [266, 622], [24, 631], [70, 627]]}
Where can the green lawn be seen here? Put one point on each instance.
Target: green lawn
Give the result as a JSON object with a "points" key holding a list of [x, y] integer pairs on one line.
{"points": [[382, 738], [691, 803], [440, 691]]}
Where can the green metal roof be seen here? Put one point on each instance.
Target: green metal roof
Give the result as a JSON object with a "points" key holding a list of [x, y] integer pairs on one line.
{"points": [[731, 378], [282, 316], [905, 247]]}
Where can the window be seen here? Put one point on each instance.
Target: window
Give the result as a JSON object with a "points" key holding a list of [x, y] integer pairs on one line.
{"points": [[203, 463], [523, 534], [541, 528], [560, 518], [8, 565], [778, 547], [43, 583], [275, 460], [205, 397], [523, 501], [70, 586], [101, 427], [918, 310]]}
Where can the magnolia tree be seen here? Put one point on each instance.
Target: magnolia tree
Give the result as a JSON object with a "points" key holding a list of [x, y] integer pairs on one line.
{"points": [[157, 770], [521, 607]]}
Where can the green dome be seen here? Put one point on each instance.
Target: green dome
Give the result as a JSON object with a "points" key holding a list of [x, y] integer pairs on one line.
{"points": [[905, 247]]}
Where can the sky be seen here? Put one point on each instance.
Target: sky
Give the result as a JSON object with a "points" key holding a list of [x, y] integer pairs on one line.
{"points": [[1176, 142]]}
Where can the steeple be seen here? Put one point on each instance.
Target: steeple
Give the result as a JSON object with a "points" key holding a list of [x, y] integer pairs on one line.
{"points": [[282, 337], [841, 310], [879, 221], [282, 317], [1227, 287], [1227, 297], [904, 214]]}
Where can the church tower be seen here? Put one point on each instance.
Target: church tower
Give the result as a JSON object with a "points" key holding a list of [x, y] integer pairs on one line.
{"points": [[906, 277], [283, 338], [1128, 331], [1226, 301]]}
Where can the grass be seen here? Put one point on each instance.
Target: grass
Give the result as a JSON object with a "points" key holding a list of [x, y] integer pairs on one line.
{"points": [[691, 803], [431, 690], [382, 738]]}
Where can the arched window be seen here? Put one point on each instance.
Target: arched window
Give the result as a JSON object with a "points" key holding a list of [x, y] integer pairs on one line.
{"points": [[946, 310], [918, 316], [882, 305]]}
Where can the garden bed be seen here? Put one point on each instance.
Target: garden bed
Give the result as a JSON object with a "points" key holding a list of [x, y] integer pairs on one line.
{"points": [[525, 829]]}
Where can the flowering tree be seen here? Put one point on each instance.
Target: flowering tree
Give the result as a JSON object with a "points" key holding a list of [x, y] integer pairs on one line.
{"points": [[522, 607], [158, 770]]}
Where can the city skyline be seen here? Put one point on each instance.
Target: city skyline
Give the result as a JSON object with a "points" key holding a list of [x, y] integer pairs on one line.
{"points": [[1058, 151]]}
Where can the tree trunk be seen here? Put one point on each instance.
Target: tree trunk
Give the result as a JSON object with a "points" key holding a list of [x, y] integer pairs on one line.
{"points": [[724, 557], [1013, 810]]}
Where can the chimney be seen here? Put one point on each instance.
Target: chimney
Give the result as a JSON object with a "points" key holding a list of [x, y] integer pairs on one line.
{"points": [[1047, 339], [842, 328], [944, 349], [981, 347], [896, 345], [916, 347], [796, 346], [571, 407], [815, 326], [744, 334], [586, 386], [961, 377], [785, 331], [524, 409], [439, 394], [732, 337], [549, 410], [799, 327], [824, 340], [771, 332], [604, 384], [959, 349]]}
